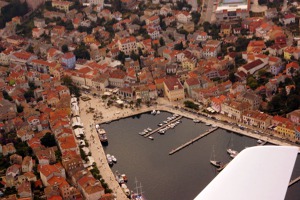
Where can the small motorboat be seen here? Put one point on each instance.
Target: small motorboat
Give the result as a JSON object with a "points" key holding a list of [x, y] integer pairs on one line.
{"points": [[113, 158]]}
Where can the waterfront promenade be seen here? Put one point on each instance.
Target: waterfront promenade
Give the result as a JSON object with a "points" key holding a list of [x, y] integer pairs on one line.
{"points": [[114, 113]]}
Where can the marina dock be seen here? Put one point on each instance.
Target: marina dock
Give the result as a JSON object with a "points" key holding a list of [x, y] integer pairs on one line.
{"points": [[193, 140], [163, 126], [294, 181]]}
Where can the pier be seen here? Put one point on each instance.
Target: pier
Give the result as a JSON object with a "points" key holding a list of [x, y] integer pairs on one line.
{"points": [[294, 181], [163, 126], [193, 140]]}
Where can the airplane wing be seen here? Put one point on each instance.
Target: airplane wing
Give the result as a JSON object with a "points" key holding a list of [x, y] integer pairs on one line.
{"points": [[257, 173]]}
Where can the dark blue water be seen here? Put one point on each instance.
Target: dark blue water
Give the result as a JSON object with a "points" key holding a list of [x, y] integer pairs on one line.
{"points": [[179, 176]]}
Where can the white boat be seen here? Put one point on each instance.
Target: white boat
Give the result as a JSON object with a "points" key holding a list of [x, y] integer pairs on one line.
{"points": [[153, 112], [207, 124], [215, 163], [158, 112], [151, 138], [113, 158], [149, 129], [109, 159], [196, 120], [145, 130], [260, 141], [232, 153], [213, 160], [214, 126], [160, 124], [161, 131], [124, 177], [125, 189], [119, 178], [142, 133]]}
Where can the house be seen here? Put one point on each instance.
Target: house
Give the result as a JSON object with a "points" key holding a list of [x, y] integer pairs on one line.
{"points": [[216, 103], [27, 164], [208, 52], [214, 43], [68, 60], [21, 57], [253, 99], [294, 116], [234, 109], [90, 187], [37, 32], [271, 13], [152, 20], [225, 29], [173, 89], [256, 119], [24, 190], [24, 134], [8, 149], [292, 68], [46, 156], [256, 46], [190, 84], [183, 17], [8, 110], [72, 162], [117, 78], [12, 172], [15, 159], [62, 5], [252, 67], [286, 130], [288, 19], [49, 171], [127, 45]]}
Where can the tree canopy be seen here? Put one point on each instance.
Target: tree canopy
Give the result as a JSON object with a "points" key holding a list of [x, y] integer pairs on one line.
{"points": [[48, 140]]}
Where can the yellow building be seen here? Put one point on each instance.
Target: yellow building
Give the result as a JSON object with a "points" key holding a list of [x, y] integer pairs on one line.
{"points": [[188, 64], [62, 5], [288, 52], [89, 39], [173, 89], [286, 130]]}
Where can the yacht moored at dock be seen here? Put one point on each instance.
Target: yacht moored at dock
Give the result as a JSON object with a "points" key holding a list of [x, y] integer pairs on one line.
{"points": [[101, 134]]}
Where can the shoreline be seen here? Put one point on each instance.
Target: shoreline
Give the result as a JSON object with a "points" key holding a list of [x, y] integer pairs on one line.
{"points": [[218, 123], [114, 114]]}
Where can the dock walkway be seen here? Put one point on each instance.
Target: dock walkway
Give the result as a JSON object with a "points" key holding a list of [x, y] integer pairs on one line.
{"points": [[294, 181], [163, 126], [193, 140]]}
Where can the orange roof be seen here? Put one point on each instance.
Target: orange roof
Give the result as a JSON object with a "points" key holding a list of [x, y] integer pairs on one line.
{"points": [[56, 197]]}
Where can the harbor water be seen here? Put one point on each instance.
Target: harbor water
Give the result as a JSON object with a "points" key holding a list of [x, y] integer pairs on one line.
{"points": [[181, 175]]}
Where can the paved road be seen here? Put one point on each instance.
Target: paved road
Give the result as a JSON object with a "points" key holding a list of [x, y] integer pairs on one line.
{"points": [[207, 14]]}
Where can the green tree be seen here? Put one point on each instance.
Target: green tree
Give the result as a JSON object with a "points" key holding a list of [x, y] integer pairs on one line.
{"points": [[206, 26], [178, 46], [28, 95], [195, 17], [161, 41], [48, 140], [82, 52], [6, 96], [30, 49], [64, 48]]}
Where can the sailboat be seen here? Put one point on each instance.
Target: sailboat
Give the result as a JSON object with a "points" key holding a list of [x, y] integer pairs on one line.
{"points": [[138, 194], [213, 161], [230, 151]]}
